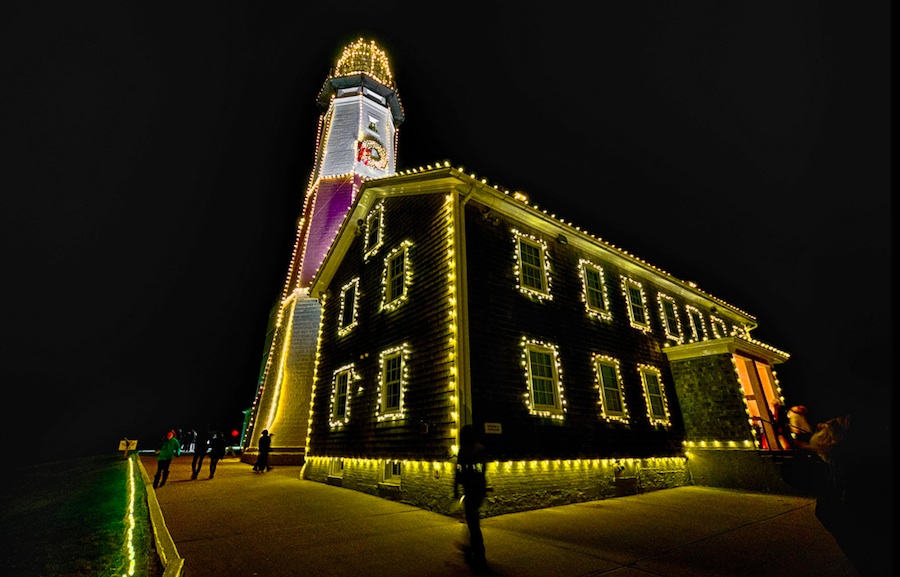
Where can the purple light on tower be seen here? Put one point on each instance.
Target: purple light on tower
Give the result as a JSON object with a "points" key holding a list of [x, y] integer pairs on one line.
{"points": [[332, 202]]}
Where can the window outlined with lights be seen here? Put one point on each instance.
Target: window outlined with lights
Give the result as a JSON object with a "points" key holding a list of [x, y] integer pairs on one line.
{"points": [[392, 379], [719, 328], [636, 303], [671, 322], [609, 388], [545, 395], [341, 393], [532, 267], [654, 395], [396, 277], [695, 321], [374, 238], [593, 290], [348, 316]]}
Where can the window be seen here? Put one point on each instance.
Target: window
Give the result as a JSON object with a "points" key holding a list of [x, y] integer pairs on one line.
{"points": [[593, 284], [393, 471], [719, 329], [337, 468], [396, 277], [545, 393], [374, 231], [373, 124], [669, 314], [532, 269], [637, 304], [392, 382], [349, 300], [609, 383], [695, 320], [340, 395], [657, 408]]}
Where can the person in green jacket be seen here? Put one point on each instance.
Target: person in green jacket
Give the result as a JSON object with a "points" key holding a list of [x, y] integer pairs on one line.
{"points": [[169, 449]]}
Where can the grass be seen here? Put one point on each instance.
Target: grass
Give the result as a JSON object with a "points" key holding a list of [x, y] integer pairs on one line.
{"points": [[71, 519]]}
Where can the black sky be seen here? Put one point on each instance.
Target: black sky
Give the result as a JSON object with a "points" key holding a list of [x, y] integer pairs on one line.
{"points": [[155, 159]]}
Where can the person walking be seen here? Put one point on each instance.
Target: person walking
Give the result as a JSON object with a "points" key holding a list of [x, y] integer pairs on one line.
{"points": [[471, 463], [216, 451], [262, 460], [168, 450], [201, 447]]}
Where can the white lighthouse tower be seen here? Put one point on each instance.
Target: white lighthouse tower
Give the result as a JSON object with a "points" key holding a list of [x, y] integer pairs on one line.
{"points": [[356, 141]]}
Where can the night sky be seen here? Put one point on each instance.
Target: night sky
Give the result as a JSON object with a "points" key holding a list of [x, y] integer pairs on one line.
{"points": [[155, 159]]}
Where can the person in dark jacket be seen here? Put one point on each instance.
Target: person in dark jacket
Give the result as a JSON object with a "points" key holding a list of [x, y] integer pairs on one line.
{"points": [[262, 460], [168, 450], [201, 447], [471, 463], [216, 452]]}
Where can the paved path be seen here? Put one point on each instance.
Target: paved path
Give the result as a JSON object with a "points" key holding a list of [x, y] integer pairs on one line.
{"points": [[276, 524]]}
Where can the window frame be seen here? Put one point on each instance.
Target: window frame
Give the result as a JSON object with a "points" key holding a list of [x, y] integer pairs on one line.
{"points": [[598, 361], [692, 322], [584, 267], [662, 299], [558, 408], [343, 326], [718, 326], [521, 239], [392, 413], [370, 248], [389, 301], [643, 326], [663, 418], [338, 420]]}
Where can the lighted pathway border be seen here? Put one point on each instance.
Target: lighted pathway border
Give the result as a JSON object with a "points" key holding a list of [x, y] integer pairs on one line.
{"points": [[172, 563]]}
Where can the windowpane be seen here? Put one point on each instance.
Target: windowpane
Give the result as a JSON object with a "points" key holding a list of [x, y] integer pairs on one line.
{"points": [[392, 370], [612, 396], [349, 306], [654, 395], [532, 267], [395, 277], [637, 305], [671, 319], [340, 395], [542, 379], [594, 289]]}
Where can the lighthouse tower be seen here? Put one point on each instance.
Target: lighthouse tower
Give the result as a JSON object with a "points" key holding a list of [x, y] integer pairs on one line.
{"points": [[356, 141]]}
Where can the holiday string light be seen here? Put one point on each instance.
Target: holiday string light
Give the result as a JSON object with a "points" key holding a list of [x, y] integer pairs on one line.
{"points": [[585, 267], [453, 326], [518, 238], [343, 377], [401, 351], [353, 306], [541, 410], [598, 361], [363, 57], [695, 320], [396, 300], [665, 419], [130, 521], [665, 315], [374, 224], [635, 306]]}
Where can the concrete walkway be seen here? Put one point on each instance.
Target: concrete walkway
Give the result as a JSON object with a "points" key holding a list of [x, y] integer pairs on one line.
{"points": [[276, 524]]}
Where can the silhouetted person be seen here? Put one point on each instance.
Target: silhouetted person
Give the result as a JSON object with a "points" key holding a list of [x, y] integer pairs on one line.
{"points": [[201, 447], [168, 450], [471, 463], [216, 452], [855, 503], [262, 460]]}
